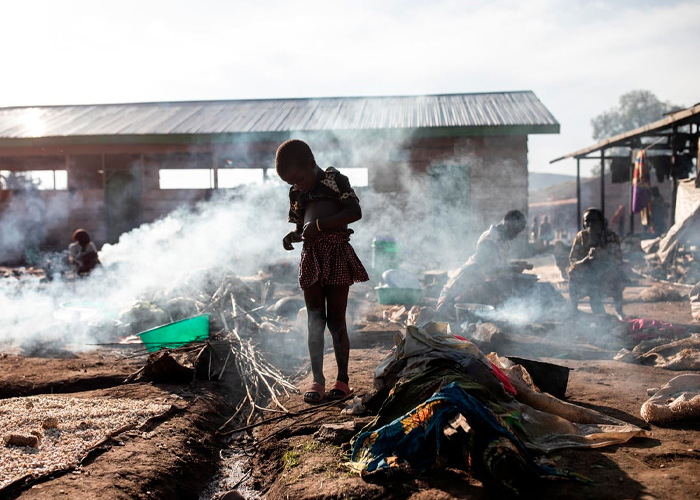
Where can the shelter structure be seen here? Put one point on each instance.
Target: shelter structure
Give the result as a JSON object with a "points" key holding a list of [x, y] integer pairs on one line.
{"points": [[673, 139], [109, 168]]}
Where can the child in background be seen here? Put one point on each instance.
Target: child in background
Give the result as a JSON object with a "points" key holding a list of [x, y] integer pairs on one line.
{"points": [[322, 204]]}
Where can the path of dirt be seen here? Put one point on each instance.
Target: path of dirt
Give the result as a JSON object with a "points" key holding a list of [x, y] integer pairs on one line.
{"points": [[173, 457], [181, 455]]}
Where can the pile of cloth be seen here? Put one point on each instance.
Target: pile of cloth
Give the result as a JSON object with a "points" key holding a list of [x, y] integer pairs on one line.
{"points": [[679, 355], [449, 404]]}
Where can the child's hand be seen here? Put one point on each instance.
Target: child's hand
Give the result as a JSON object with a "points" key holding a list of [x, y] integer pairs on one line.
{"points": [[291, 237], [310, 232]]}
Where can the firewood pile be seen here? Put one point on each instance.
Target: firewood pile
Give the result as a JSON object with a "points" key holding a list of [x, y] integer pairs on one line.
{"points": [[238, 319]]}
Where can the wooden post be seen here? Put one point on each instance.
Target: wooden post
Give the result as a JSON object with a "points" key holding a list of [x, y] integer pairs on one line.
{"points": [[674, 159], [602, 181], [215, 167], [631, 231], [578, 193]]}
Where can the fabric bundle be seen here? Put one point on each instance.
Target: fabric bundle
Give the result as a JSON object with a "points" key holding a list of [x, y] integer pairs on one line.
{"points": [[641, 191]]}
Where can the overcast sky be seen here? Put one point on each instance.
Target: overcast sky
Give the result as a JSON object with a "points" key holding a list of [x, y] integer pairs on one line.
{"points": [[577, 56]]}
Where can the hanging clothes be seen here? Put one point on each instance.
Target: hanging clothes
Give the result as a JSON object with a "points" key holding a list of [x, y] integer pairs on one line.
{"points": [[682, 166], [641, 191], [662, 167], [620, 169]]}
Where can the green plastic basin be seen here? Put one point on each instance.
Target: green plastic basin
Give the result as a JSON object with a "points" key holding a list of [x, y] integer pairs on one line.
{"points": [[404, 296], [176, 334]]}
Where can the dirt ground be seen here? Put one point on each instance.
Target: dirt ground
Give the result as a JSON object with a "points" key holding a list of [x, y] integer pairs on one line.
{"points": [[175, 457]]}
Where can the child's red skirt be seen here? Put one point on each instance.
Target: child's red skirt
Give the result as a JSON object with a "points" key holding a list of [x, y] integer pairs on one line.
{"points": [[331, 260]]}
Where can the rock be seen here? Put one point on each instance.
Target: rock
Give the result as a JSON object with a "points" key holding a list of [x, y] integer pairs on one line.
{"points": [[487, 332], [336, 434], [50, 423], [287, 306], [21, 440], [231, 495], [659, 294]]}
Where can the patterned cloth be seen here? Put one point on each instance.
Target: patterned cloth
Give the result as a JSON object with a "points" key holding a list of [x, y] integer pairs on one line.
{"points": [[331, 260], [450, 425], [333, 186]]}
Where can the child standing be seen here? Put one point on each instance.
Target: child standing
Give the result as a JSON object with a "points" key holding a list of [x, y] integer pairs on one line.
{"points": [[322, 204]]}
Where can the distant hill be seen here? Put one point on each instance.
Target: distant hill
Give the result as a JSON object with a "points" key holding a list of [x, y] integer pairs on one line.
{"points": [[540, 180]]}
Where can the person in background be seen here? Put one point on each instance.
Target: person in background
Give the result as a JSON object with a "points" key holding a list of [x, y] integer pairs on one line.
{"points": [[535, 229], [659, 212], [596, 260], [618, 220], [561, 259], [82, 253], [546, 230], [471, 282], [322, 204]]}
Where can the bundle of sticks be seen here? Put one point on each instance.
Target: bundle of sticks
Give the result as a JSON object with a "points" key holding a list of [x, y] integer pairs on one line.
{"points": [[263, 383]]}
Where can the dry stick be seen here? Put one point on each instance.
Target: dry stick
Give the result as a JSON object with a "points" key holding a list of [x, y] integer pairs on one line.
{"points": [[133, 375], [251, 356], [209, 373], [313, 409], [225, 363], [196, 360], [304, 417], [273, 394]]}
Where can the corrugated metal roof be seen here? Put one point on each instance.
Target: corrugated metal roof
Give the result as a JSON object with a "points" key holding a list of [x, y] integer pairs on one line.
{"points": [[682, 117], [502, 109]]}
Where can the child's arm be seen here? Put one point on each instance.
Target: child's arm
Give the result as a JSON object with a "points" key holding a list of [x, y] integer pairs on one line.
{"points": [[292, 237], [351, 211]]}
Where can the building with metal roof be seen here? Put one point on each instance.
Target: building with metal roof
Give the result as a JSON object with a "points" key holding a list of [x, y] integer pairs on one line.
{"points": [[504, 112], [675, 137], [119, 156]]}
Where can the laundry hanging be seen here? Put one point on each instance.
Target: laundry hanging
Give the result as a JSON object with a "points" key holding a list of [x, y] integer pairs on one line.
{"points": [[641, 192], [620, 169]]}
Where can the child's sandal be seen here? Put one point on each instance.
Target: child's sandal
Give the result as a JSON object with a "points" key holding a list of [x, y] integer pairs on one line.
{"points": [[339, 390], [314, 394]]}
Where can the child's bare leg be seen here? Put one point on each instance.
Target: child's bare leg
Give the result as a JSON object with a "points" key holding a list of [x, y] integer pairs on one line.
{"points": [[337, 301], [316, 310]]}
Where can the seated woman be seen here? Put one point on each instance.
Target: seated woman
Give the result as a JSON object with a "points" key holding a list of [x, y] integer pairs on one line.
{"points": [[82, 253], [596, 260]]}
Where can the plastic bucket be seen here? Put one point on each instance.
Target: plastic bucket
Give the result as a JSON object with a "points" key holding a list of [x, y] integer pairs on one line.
{"points": [[176, 334], [395, 296], [384, 254]]}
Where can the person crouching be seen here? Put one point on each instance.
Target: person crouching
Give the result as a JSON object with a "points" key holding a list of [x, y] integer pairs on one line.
{"points": [[82, 253]]}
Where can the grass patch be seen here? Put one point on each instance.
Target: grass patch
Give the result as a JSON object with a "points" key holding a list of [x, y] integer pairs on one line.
{"points": [[290, 459]]}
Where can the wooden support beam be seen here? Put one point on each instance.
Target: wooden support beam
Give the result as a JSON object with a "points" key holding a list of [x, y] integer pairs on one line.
{"points": [[602, 181], [578, 193]]}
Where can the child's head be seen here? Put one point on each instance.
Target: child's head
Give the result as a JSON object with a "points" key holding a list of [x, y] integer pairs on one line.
{"points": [[296, 165]]}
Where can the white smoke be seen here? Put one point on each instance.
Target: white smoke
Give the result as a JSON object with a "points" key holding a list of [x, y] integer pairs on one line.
{"points": [[242, 231]]}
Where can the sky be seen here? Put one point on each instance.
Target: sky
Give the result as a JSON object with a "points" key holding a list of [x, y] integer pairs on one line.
{"points": [[577, 56]]}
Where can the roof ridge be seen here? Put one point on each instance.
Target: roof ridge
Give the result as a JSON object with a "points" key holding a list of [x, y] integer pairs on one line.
{"points": [[273, 99]]}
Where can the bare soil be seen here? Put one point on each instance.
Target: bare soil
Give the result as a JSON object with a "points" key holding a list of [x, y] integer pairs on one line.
{"points": [[171, 458], [287, 463]]}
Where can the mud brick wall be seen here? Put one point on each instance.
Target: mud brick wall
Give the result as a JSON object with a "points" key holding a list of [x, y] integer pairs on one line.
{"points": [[497, 171]]}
